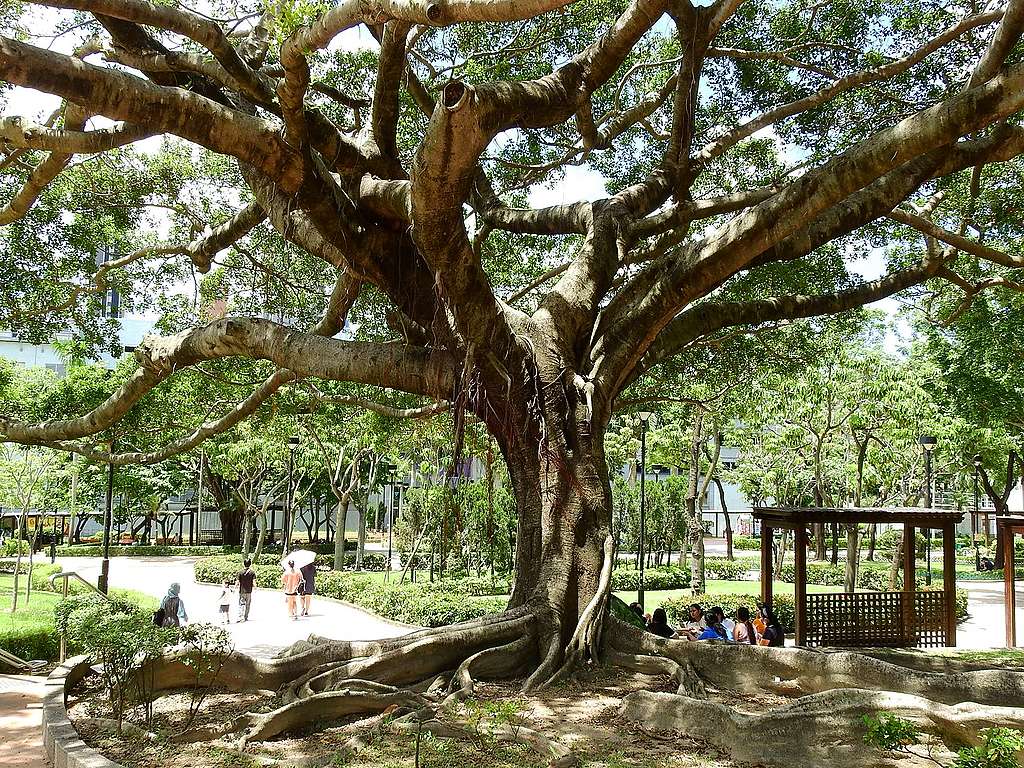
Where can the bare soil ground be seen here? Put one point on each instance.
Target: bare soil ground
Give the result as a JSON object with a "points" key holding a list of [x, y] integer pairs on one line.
{"points": [[581, 714]]}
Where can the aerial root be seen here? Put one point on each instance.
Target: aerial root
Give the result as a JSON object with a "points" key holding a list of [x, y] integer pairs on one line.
{"points": [[558, 755], [586, 638], [814, 730], [683, 676]]}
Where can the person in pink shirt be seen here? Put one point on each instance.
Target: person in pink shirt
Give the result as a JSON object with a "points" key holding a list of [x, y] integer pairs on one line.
{"points": [[290, 581]]}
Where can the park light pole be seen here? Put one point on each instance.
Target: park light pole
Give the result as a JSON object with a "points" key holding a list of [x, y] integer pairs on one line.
{"points": [[389, 479], [928, 442], [286, 534], [108, 516], [645, 417], [975, 518]]}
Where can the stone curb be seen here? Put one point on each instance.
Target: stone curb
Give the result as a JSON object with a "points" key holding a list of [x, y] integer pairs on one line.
{"points": [[64, 748]]}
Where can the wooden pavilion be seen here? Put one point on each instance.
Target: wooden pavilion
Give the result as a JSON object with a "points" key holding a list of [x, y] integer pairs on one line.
{"points": [[866, 619], [1008, 526]]}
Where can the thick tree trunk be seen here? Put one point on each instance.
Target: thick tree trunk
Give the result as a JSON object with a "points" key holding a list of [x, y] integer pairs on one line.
{"points": [[361, 537]]}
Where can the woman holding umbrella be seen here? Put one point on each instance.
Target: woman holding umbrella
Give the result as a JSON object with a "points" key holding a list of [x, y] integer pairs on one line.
{"points": [[292, 581]]}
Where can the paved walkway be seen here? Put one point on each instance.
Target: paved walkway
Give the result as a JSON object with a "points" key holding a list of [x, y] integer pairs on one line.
{"points": [[268, 630], [21, 737]]}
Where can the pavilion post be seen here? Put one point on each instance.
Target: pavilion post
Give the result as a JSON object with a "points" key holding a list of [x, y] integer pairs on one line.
{"points": [[767, 566], [909, 582], [800, 567], [1010, 589], [949, 580]]}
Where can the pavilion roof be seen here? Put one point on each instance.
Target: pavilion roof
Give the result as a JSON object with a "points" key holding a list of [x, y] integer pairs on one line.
{"points": [[921, 517]]}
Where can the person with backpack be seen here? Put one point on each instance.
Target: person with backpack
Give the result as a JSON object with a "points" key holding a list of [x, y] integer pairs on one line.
{"points": [[246, 579], [173, 608]]}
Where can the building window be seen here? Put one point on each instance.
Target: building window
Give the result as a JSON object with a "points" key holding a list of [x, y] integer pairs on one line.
{"points": [[111, 299]]}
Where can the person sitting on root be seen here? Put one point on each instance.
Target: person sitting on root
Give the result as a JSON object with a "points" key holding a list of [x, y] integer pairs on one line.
{"points": [[773, 634], [727, 624], [638, 610], [659, 624], [696, 625], [744, 632], [714, 629]]}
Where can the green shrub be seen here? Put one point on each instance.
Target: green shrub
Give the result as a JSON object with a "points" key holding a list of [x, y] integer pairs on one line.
{"points": [[422, 560], [746, 542], [723, 569], [620, 610], [430, 605], [678, 612], [31, 642], [888, 540], [8, 566], [817, 573], [11, 547], [999, 747], [664, 577], [483, 586], [217, 570]]}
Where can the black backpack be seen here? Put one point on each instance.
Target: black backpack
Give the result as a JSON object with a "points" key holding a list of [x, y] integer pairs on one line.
{"points": [[158, 617]]}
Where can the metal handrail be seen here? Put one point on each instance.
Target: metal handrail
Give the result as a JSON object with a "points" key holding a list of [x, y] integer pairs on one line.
{"points": [[68, 575]]}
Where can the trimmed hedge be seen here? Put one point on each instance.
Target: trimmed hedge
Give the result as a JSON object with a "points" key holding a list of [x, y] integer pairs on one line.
{"points": [[746, 542], [723, 569], [868, 576], [665, 577], [168, 550], [424, 604]]}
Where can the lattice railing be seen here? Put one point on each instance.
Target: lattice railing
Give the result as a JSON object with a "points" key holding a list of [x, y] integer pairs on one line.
{"points": [[867, 619]]}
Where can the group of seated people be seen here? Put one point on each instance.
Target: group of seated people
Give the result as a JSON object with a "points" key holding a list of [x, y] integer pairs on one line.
{"points": [[713, 624]]}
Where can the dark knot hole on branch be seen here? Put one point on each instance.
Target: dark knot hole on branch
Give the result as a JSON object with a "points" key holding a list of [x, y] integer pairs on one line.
{"points": [[455, 95]]}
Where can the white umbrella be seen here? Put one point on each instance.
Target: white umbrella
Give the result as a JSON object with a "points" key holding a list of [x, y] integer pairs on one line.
{"points": [[301, 558]]}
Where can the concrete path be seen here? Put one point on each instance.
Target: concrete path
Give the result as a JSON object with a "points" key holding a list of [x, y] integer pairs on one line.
{"points": [[268, 630], [21, 736]]}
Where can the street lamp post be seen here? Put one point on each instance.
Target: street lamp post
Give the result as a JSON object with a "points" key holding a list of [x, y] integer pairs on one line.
{"points": [[928, 442], [975, 519], [286, 534], [389, 470], [645, 418], [108, 516]]}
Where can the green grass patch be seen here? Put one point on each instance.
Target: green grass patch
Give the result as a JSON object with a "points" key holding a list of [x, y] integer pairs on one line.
{"points": [[29, 632]]}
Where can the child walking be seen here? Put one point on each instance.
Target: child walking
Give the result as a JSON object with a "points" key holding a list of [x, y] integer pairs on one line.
{"points": [[225, 602]]}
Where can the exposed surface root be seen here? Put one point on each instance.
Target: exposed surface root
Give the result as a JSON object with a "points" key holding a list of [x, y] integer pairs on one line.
{"points": [[683, 676], [490, 664], [327, 706], [795, 671], [819, 729]]}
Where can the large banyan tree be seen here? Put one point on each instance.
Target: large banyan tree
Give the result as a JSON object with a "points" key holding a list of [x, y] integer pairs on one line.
{"points": [[748, 151]]}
